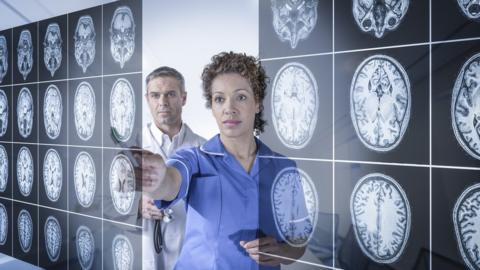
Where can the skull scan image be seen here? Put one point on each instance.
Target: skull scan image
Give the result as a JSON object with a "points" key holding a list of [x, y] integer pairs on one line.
{"points": [[25, 112], [52, 48], [122, 184], [470, 8], [3, 57], [294, 20], [379, 16], [122, 109], [53, 238], [3, 224], [84, 40], [466, 220], [25, 171], [84, 109], [84, 179], [52, 175], [85, 244], [465, 108], [381, 217], [294, 105], [25, 230], [122, 35], [3, 113], [3, 168], [52, 111], [380, 102], [122, 253], [295, 206], [25, 53]]}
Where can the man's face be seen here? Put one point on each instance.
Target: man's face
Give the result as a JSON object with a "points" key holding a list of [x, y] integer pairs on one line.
{"points": [[166, 99]]}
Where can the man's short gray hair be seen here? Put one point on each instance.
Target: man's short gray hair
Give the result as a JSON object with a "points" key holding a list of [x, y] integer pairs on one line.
{"points": [[167, 72]]}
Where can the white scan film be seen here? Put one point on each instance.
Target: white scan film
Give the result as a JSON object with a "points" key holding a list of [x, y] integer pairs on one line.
{"points": [[466, 220], [122, 253], [3, 57], [84, 179], [470, 8], [122, 109], [52, 175], [379, 16], [294, 20], [84, 110], [122, 35], [122, 184], [3, 168], [3, 225], [380, 210], [52, 112], [380, 102], [3, 113], [295, 103], [295, 206], [25, 171], [465, 108], [85, 243], [84, 40], [25, 112], [25, 230], [25, 53], [52, 48], [53, 238]]}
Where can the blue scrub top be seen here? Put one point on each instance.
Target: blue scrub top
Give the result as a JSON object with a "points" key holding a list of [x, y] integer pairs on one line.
{"points": [[225, 204]]}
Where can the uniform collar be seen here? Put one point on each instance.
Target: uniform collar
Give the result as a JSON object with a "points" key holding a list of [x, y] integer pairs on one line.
{"points": [[215, 147]]}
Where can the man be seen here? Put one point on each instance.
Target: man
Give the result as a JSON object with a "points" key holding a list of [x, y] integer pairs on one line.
{"points": [[167, 133]]}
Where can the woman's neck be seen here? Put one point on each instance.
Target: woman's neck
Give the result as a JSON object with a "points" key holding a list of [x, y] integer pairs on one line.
{"points": [[243, 149]]}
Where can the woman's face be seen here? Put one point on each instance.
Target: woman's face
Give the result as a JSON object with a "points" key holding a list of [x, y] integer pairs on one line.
{"points": [[233, 105]]}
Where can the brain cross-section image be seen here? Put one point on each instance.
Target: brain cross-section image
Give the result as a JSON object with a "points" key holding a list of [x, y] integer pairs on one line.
{"points": [[53, 238], [122, 184], [295, 206], [3, 57], [52, 111], [84, 40], [122, 35], [84, 179], [470, 8], [25, 53], [466, 220], [85, 244], [294, 105], [294, 20], [3, 224], [3, 113], [25, 230], [3, 168], [52, 175], [379, 16], [122, 109], [380, 102], [381, 217], [25, 171], [52, 48], [25, 112], [84, 108], [465, 107], [122, 253]]}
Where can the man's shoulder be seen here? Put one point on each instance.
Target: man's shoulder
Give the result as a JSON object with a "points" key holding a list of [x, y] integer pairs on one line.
{"points": [[193, 138]]}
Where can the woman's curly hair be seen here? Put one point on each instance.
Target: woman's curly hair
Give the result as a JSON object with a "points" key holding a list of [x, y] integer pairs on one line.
{"points": [[249, 68]]}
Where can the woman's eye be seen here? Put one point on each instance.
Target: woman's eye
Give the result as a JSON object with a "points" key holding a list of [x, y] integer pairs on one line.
{"points": [[242, 97], [218, 99]]}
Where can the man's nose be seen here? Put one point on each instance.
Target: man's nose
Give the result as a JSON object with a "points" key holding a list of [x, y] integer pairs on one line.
{"points": [[163, 99]]}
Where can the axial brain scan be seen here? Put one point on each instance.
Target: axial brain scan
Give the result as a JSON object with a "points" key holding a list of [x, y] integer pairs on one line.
{"points": [[84, 39], [85, 244], [122, 184], [122, 109], [470, 8], [122, 35], [3, 168], [52, 48], [122, 253], [25, 230], [53, 238], [52, 111], [3, 225], [25, 53], [25, 112], [3, 113], [84, 109], [3, 57], [25, 171], [52, 175], [84, 179]]}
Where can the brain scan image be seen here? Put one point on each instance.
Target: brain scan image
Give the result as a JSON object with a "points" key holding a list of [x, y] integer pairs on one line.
{"points": [[379, 16], [295, 206], [25, 53], [25, 171], [380, 102], [52, 175], [122, 109], [52, 48], [3, 224], [25, 112], [52, 112], [84, 110], [3, 113], [466, 220], [122, 35], [122, 252], [84, 40], [3, 57], [465, 108], [294, 20], [294, 105], [381, 217], [84, 179], [25, 230], [122, 184], [470, 8], [53, 238], [85, 244], [3, 168]]}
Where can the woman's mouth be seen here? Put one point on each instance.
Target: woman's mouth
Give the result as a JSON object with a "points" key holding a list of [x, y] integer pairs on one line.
{"points": [[231, 123]]}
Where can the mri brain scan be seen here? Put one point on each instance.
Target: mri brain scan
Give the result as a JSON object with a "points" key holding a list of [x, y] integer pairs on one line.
{"points": [[52, 48], [3, 57], [122, 35], [84, 109], [52, 175], [379, 16], [3, 224], [3, 168], [381, 217], [466, 220], [52, 111], [470, 8], [294, 105], [122, 109], [380, 102], [85, 247], [84, 179], [25, 171], [53, 238], [84, 39], [25, 230], [25, 53], [295, 206], [122, 252], [25, 112], [294, 20], [465, 108], [122, 184], [3, 113]]}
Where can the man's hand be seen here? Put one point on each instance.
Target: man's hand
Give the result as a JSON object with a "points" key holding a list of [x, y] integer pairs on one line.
{"points": [[149, 209]]}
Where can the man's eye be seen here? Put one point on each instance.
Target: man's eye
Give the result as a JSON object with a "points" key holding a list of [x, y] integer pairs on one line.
{"points": [[155, 95], [172, 94]]}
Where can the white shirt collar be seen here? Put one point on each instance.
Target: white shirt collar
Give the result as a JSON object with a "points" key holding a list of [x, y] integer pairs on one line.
{"points": [[161, 136]]}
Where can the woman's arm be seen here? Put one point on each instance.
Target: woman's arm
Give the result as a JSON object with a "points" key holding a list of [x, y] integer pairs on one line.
{"points": [[159, 181], [260, 249]]}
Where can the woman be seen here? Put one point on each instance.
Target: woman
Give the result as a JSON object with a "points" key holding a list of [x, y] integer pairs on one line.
{"points": [[227, 181]]}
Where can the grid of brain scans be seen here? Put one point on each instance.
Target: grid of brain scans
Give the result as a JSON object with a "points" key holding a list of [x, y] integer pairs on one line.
{"points": [[70, 112], [378, 104]]}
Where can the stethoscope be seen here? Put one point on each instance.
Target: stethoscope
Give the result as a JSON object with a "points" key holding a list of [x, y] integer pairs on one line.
{"points": [[157, 230]]}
